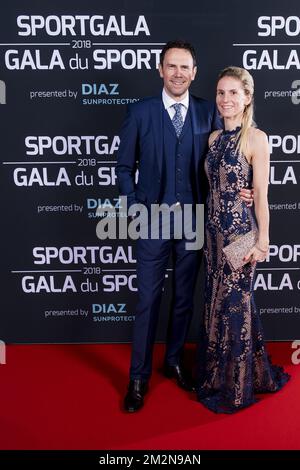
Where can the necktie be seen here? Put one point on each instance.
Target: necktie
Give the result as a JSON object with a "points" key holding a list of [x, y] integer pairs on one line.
{"points": [[177, 119]]}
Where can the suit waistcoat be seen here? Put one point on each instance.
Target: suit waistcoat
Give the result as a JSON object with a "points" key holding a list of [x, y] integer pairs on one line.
{"points": [[177, 162]]}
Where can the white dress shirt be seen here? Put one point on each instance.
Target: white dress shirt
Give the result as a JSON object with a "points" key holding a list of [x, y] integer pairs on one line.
{"points": [[168, 104]]}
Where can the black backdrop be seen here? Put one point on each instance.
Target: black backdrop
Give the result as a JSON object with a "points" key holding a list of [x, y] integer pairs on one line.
{"points": [[66, 77]]}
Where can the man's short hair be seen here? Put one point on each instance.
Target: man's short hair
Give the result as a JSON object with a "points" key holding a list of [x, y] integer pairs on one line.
{"points": [[178, 44]]}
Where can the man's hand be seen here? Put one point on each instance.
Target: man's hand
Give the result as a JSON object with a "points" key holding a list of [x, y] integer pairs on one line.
{"points": [[247, 196]]}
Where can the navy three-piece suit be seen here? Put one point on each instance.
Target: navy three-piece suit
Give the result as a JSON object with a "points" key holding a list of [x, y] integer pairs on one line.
{"points": [[171, 170]]}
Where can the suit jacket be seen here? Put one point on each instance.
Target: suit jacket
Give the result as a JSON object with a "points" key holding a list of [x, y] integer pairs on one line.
{"points": [[141, 147]]}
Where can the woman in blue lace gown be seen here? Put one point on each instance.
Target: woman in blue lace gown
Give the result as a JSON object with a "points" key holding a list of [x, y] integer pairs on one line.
{"points": [[233, 361]]}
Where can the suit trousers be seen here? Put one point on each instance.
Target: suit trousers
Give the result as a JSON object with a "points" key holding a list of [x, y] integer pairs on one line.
{"points": [[152, 261]]}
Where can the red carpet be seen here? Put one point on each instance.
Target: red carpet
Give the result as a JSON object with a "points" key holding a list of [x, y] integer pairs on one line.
{"points": [[70, 397]]}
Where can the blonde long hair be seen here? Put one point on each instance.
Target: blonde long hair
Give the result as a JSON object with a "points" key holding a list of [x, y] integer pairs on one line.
{"points": [[248, 116]]}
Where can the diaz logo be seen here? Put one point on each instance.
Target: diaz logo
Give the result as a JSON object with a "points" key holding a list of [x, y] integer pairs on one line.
{"points": [[100, 89], [2, 92]]}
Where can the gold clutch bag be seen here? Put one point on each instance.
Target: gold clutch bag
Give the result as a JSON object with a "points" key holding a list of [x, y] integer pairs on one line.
{"points": [[238, 249]]}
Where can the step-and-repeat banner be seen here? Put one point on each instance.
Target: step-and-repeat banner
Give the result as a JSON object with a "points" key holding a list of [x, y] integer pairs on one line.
{"points": [[67, 72]]}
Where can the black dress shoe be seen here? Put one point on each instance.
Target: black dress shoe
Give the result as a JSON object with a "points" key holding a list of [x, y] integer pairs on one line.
{"points": [[182, 378], [134, 399]]}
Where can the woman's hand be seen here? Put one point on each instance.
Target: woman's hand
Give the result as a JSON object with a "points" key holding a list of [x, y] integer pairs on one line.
{"points": [[256, 254]]}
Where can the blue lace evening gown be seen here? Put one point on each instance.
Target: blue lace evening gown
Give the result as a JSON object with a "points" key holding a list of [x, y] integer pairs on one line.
{"points": [[233, 361]]}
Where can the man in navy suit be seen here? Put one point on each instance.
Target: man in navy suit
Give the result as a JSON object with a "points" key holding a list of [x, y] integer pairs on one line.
{"points": [[168, 137]]}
